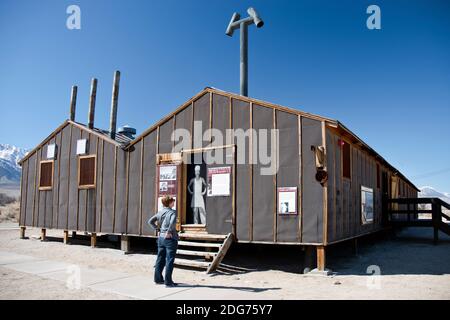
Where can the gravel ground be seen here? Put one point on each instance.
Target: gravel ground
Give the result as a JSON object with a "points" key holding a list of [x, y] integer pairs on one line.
{"points": [[411, 268]]}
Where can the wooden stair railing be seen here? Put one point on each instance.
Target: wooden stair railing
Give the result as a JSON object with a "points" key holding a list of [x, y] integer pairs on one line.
{"points": [[437, 215]]}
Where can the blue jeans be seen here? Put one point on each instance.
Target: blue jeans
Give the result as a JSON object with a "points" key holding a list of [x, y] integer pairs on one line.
{"points": [[167, 248]]}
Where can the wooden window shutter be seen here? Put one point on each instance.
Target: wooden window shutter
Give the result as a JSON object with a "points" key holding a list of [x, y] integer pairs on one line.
{"points": [[46, 175], [87, 171]]}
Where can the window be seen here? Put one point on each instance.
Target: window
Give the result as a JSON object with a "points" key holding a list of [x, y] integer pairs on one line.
{"points": [[86, 172], [46, 175], [346, 171], [378, 176], [366, 205]]}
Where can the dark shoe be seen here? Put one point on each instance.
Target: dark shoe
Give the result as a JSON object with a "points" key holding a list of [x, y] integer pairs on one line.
{"points": [[171, 285], [159, 282]]}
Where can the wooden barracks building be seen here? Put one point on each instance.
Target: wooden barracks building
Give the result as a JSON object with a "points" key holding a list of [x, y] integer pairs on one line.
{"points": [[330, 186]]}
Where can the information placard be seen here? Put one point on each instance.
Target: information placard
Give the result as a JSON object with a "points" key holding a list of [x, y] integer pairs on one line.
{"points": [[219, 181], [287, 200]]}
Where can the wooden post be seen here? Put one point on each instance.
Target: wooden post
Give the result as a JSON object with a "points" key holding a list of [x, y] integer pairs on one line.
{"points": [[22, 232], [435, 216], [125, 244], [93, 240], [66, 237], [43, 233], [320, 258]]}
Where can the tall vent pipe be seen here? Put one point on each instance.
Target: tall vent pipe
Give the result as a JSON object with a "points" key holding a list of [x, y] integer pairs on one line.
{"points": [[92, 98], [73, 103], [114, 101]]}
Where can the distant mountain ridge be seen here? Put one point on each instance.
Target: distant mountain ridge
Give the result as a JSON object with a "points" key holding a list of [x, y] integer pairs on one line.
{"points": [[430, 192], [9, 167]]}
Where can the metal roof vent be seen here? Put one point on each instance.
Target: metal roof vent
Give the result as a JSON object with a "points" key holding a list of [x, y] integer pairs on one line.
{"points": [[128, 131]]}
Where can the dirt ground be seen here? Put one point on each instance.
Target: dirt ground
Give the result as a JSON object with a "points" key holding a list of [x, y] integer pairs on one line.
{"points": [[410, 267]]}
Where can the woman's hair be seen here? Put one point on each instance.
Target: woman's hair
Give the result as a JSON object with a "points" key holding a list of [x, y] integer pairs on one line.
{"points": [[167, 200]]}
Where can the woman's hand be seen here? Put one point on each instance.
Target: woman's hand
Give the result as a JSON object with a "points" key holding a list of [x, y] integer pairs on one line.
{"points": [[168, 235]]}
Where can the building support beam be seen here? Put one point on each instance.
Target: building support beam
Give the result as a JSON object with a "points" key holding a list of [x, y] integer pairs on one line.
{"points": [[22, 232], [93, 240], [125, 244], [66, 237], [320, 258], [43, 234]]}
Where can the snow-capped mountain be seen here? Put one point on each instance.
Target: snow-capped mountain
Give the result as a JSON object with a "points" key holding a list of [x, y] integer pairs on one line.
{"points": [[9, 168], [433, 193]]}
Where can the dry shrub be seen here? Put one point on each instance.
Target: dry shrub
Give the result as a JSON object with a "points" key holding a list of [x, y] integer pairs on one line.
{"points": [[5, 199], [10, 212]]}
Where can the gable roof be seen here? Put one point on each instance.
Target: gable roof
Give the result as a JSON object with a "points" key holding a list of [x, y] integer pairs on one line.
{"points": [[328, 121], [120, 140], [125, 142]]}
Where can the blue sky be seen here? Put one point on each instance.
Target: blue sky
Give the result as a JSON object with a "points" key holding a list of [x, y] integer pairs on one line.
{"points": [[390, 86]]}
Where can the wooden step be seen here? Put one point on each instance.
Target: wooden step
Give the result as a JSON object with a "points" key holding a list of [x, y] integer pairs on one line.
{"points": [[191, 263], [198, 228], [201, 236], [199, 244], [205, 254]]}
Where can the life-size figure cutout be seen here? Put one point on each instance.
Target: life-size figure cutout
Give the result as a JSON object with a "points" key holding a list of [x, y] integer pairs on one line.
{"points": [[197, 202]]}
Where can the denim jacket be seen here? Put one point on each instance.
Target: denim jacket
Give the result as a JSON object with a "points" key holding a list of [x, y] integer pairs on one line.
{"points": [[167, 220]]}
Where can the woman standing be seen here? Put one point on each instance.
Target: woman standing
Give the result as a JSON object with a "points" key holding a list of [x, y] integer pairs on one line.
{"points": [[167, 241]]}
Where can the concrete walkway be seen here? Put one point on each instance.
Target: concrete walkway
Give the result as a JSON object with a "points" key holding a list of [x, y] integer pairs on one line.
{"points": [[129, 285]]}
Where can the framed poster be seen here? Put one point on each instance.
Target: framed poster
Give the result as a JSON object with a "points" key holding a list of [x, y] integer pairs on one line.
{"points": [[167, 172], [219, 181], [287, 200], [366, 205], [167, 184]]}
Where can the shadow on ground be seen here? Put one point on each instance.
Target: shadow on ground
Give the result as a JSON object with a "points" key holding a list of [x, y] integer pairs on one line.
{"points": [[409, 251]]}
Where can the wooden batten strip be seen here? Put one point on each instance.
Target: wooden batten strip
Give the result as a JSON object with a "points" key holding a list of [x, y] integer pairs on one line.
{"points": [[68, 180], [325, 190], [78, 189], [115, 189], [275, 213], [192, 126], [156, 169], [21, 198], [26, 192], [300, 178], [101, 186], [251, 174], [141, 186], [38, 176], [334, 188], [174, 122], [59, 177], [233, 200], [127, 190], [210, 115]]}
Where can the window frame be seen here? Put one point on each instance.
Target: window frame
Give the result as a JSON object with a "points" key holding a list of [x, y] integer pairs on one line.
{"points": [[363, 188], [46, 188], [87, 186]]}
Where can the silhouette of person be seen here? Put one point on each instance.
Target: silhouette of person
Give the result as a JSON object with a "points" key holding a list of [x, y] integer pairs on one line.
{"points": [[197, 202]]}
